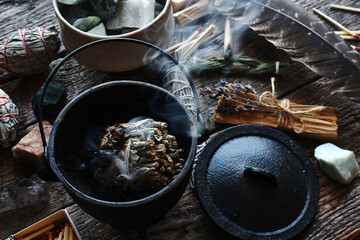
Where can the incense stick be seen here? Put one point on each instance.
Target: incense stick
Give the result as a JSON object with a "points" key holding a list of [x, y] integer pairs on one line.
{"points": [[199, 40], [41, 231], [336, 23], [348, 37], [346, 8], [356, 48], [189, 39], [66, 232], [60, 235], [228, 54], [345, 33]]}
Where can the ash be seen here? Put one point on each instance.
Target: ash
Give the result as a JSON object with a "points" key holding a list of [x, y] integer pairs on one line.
{"points": [[139, 156]]}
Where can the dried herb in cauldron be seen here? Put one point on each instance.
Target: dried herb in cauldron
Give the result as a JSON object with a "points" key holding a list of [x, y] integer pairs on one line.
{"points": [[141, 156]]}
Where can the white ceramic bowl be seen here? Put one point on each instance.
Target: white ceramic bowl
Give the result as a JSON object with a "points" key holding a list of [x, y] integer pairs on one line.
{"points": [[118, 56]]}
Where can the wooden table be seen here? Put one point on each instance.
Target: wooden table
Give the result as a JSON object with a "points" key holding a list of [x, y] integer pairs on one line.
{"points": [[338, 214]]}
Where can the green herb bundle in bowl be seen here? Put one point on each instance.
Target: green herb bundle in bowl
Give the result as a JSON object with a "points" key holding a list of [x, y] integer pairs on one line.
{"points": [[85, 21]]}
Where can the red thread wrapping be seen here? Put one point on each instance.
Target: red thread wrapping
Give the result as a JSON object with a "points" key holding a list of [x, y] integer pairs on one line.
{"points": [[45, 45], [26, 48], [12, 115]]}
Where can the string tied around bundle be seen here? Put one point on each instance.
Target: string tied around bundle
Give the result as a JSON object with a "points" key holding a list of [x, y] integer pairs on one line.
{"points": [[287, 117]]}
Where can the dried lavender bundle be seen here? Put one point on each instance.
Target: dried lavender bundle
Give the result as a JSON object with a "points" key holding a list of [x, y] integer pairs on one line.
{"points": [[239, 104], [29, 51], [142, 156]]}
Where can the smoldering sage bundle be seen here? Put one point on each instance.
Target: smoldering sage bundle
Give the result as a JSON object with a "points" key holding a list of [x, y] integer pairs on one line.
{"points": [[8, 120], [138, 156], [29, 51]]}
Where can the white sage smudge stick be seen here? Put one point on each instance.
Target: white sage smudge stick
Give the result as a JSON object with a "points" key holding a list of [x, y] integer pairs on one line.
{"points": [[8, 120], [336, 23], [29, 51], [176, 82], [346, 8]]}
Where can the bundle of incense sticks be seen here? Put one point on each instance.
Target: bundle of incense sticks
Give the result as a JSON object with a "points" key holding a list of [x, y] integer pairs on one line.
{"points": [[187, 47], [54, 231], [339, 25], [239, 104]]}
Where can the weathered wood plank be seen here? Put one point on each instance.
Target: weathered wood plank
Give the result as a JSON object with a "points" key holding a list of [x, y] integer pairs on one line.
{"points": [[338, 213], [15, 220]]}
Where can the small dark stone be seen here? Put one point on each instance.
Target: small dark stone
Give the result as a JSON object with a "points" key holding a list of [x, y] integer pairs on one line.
{"points": [[53, 100]]}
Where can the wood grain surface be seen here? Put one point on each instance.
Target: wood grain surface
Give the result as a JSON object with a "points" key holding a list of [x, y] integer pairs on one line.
{"points": [[338, 214]]}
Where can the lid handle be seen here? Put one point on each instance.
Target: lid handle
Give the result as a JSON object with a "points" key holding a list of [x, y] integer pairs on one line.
{"points": [[261, 175]]}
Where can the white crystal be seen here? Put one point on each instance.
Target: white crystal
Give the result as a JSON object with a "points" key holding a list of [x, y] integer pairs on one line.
{"points": [[132, 14], [98, 30], [339, 164]]}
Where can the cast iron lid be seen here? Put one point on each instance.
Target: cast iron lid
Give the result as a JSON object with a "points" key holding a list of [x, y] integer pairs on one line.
{"points": [[255, 182]]}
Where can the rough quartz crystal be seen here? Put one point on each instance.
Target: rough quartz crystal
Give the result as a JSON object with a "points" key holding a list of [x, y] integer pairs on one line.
{"points": [[132, 14], [27, 192], [339, 164]]}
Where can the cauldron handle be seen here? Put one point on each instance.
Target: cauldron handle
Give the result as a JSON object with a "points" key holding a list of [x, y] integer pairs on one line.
{"points": [[45, 170]]}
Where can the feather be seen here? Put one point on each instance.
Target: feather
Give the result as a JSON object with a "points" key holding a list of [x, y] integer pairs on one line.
{"points": [[303, 37]]}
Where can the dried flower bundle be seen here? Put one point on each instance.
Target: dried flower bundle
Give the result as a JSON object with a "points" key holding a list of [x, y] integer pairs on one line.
{"points": [[141, 156], [239, 104], [29, 51]]}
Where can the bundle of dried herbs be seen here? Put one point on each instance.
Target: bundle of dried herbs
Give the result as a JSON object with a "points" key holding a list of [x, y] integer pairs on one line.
{"points": [[239, 104], [245, 65], [140, 156], [8, 120], [29, 51]]}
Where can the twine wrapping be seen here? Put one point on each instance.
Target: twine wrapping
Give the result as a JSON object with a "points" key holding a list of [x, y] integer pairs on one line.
{"points": [[285, 115]]}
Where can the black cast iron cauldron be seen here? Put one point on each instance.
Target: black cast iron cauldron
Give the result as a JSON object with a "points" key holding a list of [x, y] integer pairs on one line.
{"points": [[102, 106]]}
